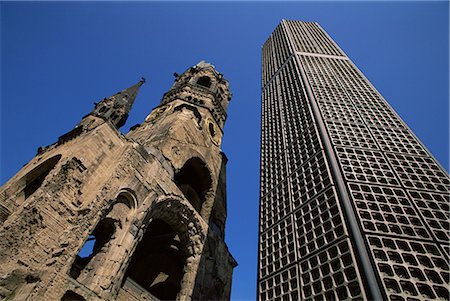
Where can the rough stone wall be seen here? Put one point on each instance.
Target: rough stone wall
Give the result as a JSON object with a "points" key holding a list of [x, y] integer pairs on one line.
{"points": [[96, 180], [38, 237]]}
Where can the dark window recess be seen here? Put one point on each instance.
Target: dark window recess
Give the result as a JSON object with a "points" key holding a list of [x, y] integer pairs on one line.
{"points": [[157, 264], [211, 129], [35, 178], [72, 296], [204, 81], [122, 120], [35, 184], [194, 181], [95, 244]]}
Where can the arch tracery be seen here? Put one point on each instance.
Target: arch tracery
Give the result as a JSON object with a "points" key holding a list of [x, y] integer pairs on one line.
{"points": [[194, 181], [170, 246]]}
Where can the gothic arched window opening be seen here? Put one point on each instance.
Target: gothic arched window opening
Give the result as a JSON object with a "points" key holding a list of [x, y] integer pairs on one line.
{"points": [[157, 264], [194, 180], [35, 178], [110, 228], [212, 130], [204, 81], [103, 109], [98, 239]]}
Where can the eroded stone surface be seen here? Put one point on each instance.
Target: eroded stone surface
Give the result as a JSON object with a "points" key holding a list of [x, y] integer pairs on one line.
{"points": [[123, 191]]}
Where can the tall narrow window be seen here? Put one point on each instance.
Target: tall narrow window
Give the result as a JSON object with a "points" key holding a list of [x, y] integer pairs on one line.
{"points": [[204, 81], [103, 109], [93, 245], [95, 250], [157, 264], [35, 178], [194, 181]]}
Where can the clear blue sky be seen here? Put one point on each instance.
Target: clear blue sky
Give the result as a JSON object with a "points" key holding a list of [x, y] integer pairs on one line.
{"points": [[57, 58]]}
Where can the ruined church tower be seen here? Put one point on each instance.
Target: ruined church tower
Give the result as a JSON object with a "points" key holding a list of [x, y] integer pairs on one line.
{"points": [[151, 204]]}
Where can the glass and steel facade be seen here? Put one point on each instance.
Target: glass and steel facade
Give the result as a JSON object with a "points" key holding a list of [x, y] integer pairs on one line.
{"points": [[352, 205]]}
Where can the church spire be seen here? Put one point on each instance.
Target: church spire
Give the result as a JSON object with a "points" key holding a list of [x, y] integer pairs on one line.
{"points": [[116, 107]]}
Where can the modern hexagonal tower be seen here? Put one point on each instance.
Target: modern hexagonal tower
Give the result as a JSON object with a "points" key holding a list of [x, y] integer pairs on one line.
{"points": [[353, 206]]}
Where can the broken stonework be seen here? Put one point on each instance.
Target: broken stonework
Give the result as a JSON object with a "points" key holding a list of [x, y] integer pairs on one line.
{"points": [[151, 204]]}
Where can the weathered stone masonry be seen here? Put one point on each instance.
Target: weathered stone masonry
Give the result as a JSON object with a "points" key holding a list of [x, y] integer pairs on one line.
{"points": [[153, 201]]}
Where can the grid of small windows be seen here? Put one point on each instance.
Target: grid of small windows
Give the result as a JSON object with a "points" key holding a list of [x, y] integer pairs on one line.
{"points": [[275, 52], [446, 248], [331, 97], [382, 210], [326, 45], [322, 92], [358, 87], [318, 222], [319, 74], [308, 37], [365, 166], [309, 180], [301, 136], [302, 140], [308, 186], [419, 172], [399, 193], [282, 286], [351, 135], [326, 87], [275, 205], [268, 65], [296, 113], [387, 211], [378, 115], [277, 247], [435, 209], [386, 128], [273, 169], [370, 105], [338, 111], [412, 165], [302, 40], [321, 78], [280, 46], [331, 275], [398, 141], [410, 270], [302, 148]]}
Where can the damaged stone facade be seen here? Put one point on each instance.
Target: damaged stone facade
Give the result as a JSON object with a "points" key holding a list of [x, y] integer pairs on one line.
{"points": [[151, 202]]}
